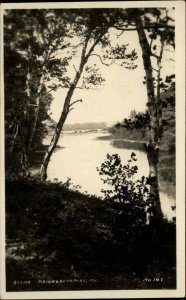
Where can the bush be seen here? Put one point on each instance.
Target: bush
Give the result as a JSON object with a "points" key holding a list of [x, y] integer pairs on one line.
{"points": [[131, 198]]}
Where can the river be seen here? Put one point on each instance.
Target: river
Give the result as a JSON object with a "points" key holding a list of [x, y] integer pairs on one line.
{"points": [[79, 155]]}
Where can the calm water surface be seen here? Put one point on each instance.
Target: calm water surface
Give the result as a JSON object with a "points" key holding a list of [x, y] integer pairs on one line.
{"points": [[81, 154]]}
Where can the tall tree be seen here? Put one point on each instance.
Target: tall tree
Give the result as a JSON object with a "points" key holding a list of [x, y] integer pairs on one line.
{"points": [[91, 28], [32, 41], [151, 24]]}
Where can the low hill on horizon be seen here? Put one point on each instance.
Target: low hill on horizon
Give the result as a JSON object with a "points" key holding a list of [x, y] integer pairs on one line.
{"points": [[85, 126]]}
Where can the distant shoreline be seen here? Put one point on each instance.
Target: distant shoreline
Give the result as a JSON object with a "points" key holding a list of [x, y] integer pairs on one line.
{"points": [[124, 143]]}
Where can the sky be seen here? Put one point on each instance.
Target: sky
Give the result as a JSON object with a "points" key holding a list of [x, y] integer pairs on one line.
{"points": [[123, 89]]}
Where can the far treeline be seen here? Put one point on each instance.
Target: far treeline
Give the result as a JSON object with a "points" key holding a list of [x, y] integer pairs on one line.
{"points": [[40, 47]]}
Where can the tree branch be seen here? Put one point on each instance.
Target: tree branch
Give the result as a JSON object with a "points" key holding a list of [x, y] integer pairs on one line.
{"points": [[154, 27], [70, 109], [76, 46], [79, 100], [95, 43], [94, 54], [74, 68], [169, 59], [85, 88], [156, 56], [146, 27], [118, 35], [50, 90], [171, 118], [169, 50]]}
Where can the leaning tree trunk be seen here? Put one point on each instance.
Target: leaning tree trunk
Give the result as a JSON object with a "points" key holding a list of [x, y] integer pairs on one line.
{"points": [[67, 104], [152, 147], [53, 143], [66, 109]]}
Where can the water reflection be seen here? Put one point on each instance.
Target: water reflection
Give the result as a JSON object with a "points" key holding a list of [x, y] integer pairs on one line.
{"points": [[83, 153]]}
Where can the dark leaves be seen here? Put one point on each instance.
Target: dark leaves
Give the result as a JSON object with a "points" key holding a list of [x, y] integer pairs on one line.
{"points": [[132, 195]]}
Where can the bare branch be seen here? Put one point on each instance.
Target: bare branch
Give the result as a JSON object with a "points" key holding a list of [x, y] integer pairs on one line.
{"points": [[169, 50], [86, 88], [156, 56], [74, 68], [103, 63], [118, 35], [124, 29], [146, 27], [70, 109], [79, 100], [169, 59], [50, 90], [171, 118], [76, 46]]}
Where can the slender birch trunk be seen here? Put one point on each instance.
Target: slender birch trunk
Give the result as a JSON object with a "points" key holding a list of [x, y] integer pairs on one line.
{"points": [[24, 123], [152, 147], [55, 138], [66, 109], [158, 98], [36, 111]]}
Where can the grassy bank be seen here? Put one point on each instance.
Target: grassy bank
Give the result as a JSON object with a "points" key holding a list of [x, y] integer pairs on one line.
{"points": [[59, 239]]}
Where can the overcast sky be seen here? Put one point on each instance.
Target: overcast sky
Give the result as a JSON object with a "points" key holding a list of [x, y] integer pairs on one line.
{"points": [[123, 89]]}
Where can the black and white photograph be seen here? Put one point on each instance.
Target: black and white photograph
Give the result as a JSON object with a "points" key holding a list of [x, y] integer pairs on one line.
{"points": [[92, 158]]}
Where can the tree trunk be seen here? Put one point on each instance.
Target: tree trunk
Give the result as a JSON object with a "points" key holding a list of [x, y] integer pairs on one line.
{"points": [[24, 161], [53, 143], [153, 147], [158, 98], [36, 111], [152, 156], [24, 122], [24, 149], [67, 105], [66, 109]]}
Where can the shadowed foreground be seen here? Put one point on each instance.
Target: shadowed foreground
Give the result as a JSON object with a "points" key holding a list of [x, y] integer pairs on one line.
{"points": [[59, 239]]}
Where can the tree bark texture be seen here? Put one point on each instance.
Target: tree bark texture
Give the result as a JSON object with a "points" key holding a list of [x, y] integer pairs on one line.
{"points": [[152, 148], [158, 98], [24, 123], [36, 111]]}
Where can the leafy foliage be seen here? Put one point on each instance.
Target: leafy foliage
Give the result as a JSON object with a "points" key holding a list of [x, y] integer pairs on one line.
{"points": [[133, 196], [139, 121], [119, 54], [92, 77]]}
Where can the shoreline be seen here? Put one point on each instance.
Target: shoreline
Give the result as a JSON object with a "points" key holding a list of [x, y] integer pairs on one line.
{"points": [[165, 186]]}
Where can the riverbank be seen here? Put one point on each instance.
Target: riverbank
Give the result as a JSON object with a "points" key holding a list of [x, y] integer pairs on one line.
{"points": [[122, 143], [74, 241]]}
